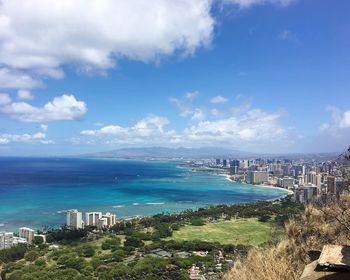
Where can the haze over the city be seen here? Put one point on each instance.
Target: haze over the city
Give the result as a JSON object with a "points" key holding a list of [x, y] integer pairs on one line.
{"points": [[269, 76]]}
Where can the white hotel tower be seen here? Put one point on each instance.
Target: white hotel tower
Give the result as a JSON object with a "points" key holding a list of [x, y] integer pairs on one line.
{"points": [[91, 218], [75, 219]]}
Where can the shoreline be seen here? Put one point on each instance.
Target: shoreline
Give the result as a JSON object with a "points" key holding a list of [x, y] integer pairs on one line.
{"points": [[228, 177], [261, 185], [58, 220]]}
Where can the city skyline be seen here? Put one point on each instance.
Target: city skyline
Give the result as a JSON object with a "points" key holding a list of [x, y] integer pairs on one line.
{"points": [[264, 76]]}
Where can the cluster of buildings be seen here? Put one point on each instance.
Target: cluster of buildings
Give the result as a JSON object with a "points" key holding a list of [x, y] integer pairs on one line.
{"points": [[25, 236], [308, 179], [75, 219]]}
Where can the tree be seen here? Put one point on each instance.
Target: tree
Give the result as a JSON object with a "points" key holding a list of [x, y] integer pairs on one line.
{"points": [[31, 256], [38, 240], [133, 242], [197, 222], [87, 251]]}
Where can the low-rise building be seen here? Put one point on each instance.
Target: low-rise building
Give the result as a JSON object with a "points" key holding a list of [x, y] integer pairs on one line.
{"points": [[19, 241]]}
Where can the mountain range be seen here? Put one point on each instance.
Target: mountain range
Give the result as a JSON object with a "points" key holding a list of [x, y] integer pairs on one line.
{"points": [[163, 152]]}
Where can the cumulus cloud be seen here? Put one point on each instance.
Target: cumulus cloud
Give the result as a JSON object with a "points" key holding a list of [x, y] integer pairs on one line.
{"points": [[24, 95], [335, 133], [38, 137], [38, 37], [184, 103], [44, 127], [5, 99], [345, 120], [65, 107], [256, 127], [218, 99], [339, 120], [10, 78], [150, 129], [249, 3]]}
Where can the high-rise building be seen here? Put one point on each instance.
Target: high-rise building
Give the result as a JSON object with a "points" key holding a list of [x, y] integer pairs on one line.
{"points": [[234, 166], [286, 182], [331, 185], [111, 219], [74, 219], [285, 169], [311, 177], [217, 161], [91, 218], [310, 191], [102, 223], [257, 177], [298, 170], [224, 163], [6, 240], [27, 234], [107, 220]]}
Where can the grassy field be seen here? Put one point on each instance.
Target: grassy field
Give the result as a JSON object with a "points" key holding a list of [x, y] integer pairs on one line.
{"points": [[236, 231]]}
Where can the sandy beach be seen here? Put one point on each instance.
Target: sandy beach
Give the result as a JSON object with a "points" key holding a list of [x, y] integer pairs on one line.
{"points": [[228, 177]]}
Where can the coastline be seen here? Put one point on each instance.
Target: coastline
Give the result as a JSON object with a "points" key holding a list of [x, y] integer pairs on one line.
{"points": [[228, 177], [43, 214], [263, 185]]}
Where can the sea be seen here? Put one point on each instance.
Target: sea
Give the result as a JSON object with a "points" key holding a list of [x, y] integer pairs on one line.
{"points": [[37, 192]]}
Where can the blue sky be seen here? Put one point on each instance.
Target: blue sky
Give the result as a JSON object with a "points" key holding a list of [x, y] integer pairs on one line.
{"points": [[263, 76]]}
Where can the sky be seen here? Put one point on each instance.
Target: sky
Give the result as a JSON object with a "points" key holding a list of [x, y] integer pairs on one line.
{"points": [[80, 76]]}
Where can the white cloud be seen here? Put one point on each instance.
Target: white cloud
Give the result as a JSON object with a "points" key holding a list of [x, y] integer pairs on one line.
{"points": [[215, 112], [151, 128], [38, 137], [38, 37], [99, 124], [184, 104], [287, 35], [80, 141], [249, 3], [338, 125], [64, 107], [198, 115], [44, 127], [24, 95], [4, 98], [14, 78], [339, 119], [335, 133], [345, 120], [255, 127], [218, 99], [241, 108]]}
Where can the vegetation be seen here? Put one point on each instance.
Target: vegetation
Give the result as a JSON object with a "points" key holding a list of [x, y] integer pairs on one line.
{"points": [[319, 224], [127, 250], [249, 232]]}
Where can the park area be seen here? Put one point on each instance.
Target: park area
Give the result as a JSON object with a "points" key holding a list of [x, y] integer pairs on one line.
{"points": [[236, 231]]}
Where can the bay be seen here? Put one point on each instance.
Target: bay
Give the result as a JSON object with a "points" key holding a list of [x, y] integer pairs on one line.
{"points": [[36, 192]]}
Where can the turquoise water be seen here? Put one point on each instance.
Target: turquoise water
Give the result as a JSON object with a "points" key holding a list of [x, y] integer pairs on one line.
{"points": [[35, 192]]}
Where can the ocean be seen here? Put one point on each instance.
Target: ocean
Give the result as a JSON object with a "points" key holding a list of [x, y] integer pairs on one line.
{"points": [[36, 192]]}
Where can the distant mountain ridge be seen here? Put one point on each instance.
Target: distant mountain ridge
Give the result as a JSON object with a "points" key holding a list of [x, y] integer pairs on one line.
{"points": [[197, 153], [163, 152]]}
